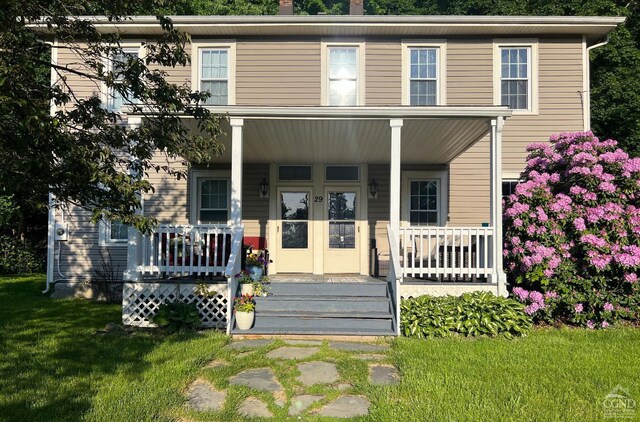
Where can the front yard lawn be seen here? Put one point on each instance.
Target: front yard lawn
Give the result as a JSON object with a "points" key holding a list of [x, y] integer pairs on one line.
{"points": [[53, 366]]}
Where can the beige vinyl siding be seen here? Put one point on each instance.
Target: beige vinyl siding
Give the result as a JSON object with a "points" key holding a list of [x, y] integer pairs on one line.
{"points": [[378, 208], [469, 72], [169, 202], [278, 73], [69, 56], [560, 110], [383, 73], [469, 186], [81, 253], [179, 75], [255, 210]]}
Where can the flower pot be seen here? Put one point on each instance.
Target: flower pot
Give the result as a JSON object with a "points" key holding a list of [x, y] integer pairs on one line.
{"points": [[256, 272], [246, 289], [244, 320]]}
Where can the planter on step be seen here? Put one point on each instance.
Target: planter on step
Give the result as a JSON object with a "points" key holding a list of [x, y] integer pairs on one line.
{"points": [[244, 320], [246, 289], [256, 271]]}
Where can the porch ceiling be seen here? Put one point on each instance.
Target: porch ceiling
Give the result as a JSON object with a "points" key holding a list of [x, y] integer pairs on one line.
{"points": [[430, 138]]}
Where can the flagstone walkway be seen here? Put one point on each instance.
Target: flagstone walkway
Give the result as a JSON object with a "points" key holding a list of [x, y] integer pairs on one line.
{"points": [[314, 375]]}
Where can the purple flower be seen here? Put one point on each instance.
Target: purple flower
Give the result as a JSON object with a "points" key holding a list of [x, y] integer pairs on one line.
{"points": [[551, 295], [579, 308], [591, 325], [532, 308], [608, 307], [521, 293], [604, 324], [578, 223], [631, 277]]}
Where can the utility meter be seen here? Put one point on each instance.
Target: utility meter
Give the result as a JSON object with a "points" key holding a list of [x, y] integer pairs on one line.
{"points": [[62, 231]]}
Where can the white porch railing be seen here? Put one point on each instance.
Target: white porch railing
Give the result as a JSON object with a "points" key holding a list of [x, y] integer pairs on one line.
{"points": [[394, 276], [234, 265], [457, 253], [186, 250]]}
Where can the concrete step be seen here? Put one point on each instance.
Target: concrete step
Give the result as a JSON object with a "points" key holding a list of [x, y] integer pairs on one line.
{"points": [[364, 289], [313, 331], [324, 314], [319, 322], [323, 304]]}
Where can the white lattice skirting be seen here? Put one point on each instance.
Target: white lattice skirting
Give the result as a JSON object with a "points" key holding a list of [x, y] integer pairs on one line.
{"points": [[140, 302]]}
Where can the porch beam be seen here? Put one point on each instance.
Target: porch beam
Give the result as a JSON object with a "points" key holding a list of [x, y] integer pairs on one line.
{"points": [[394, 185], [237, 125], [499, 276]]}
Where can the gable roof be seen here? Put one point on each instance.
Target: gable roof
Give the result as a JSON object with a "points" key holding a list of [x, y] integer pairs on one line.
{"points": [[593, 27]]}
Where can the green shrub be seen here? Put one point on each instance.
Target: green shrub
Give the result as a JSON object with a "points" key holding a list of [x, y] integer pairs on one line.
{"points": [[18, 257], [177, 316], [472, 314]]}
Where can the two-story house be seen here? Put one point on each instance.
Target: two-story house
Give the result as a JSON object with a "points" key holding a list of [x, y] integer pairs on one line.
{"points": [[354, 145]]}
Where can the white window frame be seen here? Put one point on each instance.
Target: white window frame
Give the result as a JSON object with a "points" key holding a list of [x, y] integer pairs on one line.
{"points": [[194, 201], [104, 236], [443, 197], [441, 77], [360, 66], [532, 45], [196, 48], [129, 46]]}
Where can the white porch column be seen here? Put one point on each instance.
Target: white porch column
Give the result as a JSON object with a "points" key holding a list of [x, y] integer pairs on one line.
{"points": [[394, 185], [236, 172], [499, 277], [134, 244]]}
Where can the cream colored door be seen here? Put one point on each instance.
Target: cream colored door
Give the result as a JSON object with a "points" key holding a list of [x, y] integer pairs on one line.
{"points": [[342, 231], [295, 254]]}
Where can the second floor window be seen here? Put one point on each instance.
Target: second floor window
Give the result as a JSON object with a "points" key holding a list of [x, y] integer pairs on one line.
{"points": [[343, 76], [117, 64], [214, 75], [515, 77], [423, 76]]}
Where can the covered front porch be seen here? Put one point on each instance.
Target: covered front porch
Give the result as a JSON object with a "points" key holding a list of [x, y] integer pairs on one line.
{"points": [[339, 191]]}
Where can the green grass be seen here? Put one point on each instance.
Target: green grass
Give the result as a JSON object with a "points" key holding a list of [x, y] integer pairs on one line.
{"points": [[53, 366]]}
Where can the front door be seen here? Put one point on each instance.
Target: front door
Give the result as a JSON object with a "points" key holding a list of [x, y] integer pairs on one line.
{"points": [[342, 243], [295, 253]]}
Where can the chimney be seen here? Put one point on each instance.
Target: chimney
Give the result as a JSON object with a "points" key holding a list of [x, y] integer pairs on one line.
{"points": [[356, 7], [286, 7]]}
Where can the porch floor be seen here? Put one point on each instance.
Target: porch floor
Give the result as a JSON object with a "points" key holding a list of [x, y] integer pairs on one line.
{"points": [[323, 278]]}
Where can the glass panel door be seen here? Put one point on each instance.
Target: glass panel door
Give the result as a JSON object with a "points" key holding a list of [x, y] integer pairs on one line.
{"points": [[342, 220], [294, 208]]}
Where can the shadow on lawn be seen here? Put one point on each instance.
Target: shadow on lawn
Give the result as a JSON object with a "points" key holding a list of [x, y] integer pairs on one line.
{"points": [[51, 358]]}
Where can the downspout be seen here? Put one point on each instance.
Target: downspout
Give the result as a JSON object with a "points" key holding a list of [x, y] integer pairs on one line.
{"points": [[50, 243], [587, 84]]}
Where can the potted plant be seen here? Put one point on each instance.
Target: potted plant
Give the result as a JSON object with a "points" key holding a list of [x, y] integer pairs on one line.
{"points": [[246, 282], [244, 309], [261, 287], [255, 265]]}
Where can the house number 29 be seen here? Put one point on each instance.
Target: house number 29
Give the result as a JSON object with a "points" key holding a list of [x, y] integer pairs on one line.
{"points": [[317, 199]]}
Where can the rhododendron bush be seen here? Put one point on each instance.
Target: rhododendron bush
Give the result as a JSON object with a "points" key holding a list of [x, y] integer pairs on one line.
{"points": [[572, 232]]}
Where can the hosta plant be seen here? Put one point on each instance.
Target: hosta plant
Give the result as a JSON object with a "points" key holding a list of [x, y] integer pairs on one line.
{"points": [[471, 315]]}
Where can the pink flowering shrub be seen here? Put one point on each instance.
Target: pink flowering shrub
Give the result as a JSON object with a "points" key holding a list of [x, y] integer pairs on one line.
{"points": [[572, 232]]}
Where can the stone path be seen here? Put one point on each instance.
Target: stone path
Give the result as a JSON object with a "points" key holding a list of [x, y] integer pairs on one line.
{"points": [[322, 373]]}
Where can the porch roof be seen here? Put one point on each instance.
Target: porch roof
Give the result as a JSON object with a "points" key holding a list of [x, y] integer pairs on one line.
{"points": [[347, 135], [593, 27]]}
